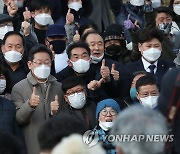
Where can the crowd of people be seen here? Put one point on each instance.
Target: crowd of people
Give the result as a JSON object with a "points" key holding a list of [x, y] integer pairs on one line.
{"points": [[111, 67]]}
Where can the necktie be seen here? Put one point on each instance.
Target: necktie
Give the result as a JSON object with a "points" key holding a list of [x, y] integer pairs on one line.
{"points": [[152, 67]]}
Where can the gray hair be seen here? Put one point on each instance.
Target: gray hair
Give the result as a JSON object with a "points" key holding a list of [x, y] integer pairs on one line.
{"points": [[137, 120]]}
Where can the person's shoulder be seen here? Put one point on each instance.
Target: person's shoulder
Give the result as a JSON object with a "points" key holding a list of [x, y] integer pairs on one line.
{"points": [[166, 63], [7, 104], [110, 62]]}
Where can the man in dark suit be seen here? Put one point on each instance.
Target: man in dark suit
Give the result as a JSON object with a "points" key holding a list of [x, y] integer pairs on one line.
{"points": [[150, 46], [106, 69]]}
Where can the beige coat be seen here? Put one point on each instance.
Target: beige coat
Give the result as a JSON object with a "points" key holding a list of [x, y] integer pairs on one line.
{"points": [[30, 119]]}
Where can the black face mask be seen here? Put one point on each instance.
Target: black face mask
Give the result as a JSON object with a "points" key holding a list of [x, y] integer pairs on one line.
{"points": [[58, 46], [113, 50]]}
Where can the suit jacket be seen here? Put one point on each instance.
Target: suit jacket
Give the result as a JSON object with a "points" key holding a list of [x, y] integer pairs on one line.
{"points": [[126, 73]]}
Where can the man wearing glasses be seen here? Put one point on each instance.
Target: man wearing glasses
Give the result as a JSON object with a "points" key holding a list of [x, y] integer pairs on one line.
{"points": [[37, 97], [147, 91], [77, 103]]}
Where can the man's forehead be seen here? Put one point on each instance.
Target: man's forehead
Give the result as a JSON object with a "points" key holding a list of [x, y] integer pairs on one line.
{"points": [[75, 87]]}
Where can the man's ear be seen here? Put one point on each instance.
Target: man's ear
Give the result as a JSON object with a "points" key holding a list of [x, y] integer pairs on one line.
{"points": [[32, 14], [140, 47], [137, 96], [69, 63], [29, 64], [66, 99], [3, 49]]}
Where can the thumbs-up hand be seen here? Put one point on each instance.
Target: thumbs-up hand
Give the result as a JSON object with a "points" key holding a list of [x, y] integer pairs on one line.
{"points": [[35, 99], [76, 37], [26, 27], [27, 15], [54, 106], [105, 72], [128, 23], [69, 18], [95, 84], [12, 8], [114, 73]]}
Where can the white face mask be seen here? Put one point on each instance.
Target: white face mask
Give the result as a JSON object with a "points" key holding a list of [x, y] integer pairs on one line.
{"points": [[96, 60], [2, 85], [4, 30], [81, 65], [13, 56], [150, 101], [75, 6], [43, 19], [42, 71], [156, 3], [151, 54], [18, 3], [77, 100], [137, 2], [176, 8], [105, 125]]}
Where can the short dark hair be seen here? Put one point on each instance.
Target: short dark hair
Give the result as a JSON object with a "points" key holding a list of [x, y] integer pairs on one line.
{"points": [[39, 4], [77, 45], [60, 126], [148, 34], [88, 25], [37, 49], [83, 38], [163, 9], [71, 82], [145, 80], [10, 33]]}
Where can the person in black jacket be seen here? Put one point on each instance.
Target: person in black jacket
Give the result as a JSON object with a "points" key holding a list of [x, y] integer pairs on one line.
{"points": [[150, 47], [105, 68], [170, 96], [8, 121]]}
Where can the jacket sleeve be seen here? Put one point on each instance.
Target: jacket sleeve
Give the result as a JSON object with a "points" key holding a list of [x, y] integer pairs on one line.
{"points": [[70, 31], [24, 111]]}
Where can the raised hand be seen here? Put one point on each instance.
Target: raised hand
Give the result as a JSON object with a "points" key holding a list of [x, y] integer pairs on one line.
{"points": [[128, 23], [27, 15], [114, 73], [69, 18], [35, 99], [95, 84], [12, 8], [105, 72], [76, 37], [26, 27], [54, 106]]}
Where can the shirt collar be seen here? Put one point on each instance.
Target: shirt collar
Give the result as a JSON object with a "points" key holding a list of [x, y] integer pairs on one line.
{"points": [[146, 64]]}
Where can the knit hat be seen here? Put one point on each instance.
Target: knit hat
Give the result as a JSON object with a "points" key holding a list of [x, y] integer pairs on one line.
{"points": [[4, 18], [113, 32], [55, 30], [107, 103]]}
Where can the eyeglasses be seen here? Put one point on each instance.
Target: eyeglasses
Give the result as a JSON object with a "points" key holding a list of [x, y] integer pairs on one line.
{"points": [[41, 63], [6, 24], [111, 112], [78, 91], [149, 94]]}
